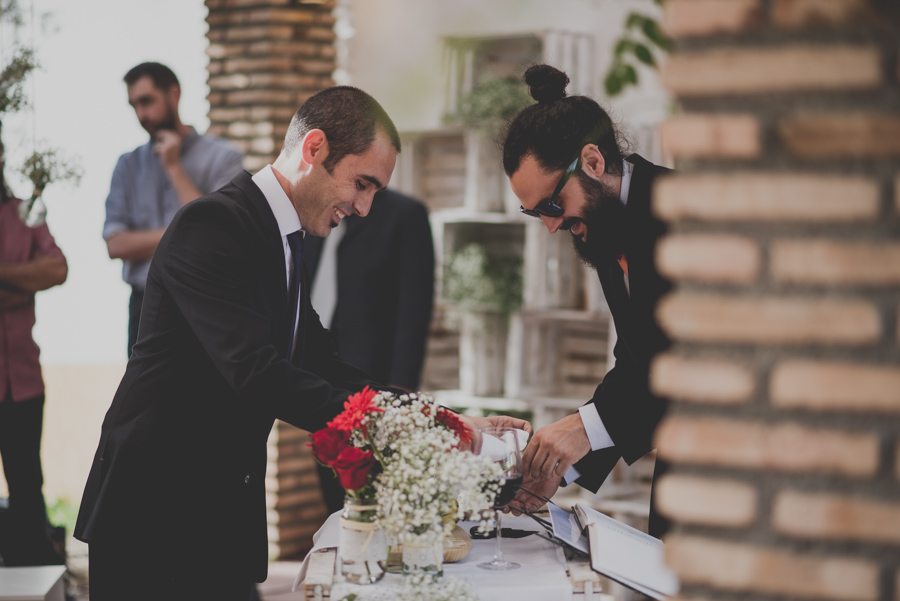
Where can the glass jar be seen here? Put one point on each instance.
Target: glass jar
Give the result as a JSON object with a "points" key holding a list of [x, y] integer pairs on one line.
{"points": [[424, 555], [363, 545]]}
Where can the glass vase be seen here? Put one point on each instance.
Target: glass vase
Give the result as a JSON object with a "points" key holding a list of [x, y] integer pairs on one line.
{"points": [[363, 544], [424, 556]]}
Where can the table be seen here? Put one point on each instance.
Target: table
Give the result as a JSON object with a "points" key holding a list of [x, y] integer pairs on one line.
{"points": [[546, 573], [36, 583]]}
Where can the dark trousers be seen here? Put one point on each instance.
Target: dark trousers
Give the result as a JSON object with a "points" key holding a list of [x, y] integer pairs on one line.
{"points": [[143, 574], [134, 315], [26, 538], [154, 539]]}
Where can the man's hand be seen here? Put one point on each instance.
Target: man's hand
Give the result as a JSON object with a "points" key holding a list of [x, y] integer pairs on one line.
{"points": [[555, 448], [501, 421], [167, 146], [35, 275], [477, 424], [544, 488]]}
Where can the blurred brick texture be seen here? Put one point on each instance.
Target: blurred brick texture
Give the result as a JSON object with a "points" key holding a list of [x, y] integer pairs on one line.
{"points": [[783, 434], [265, 58]]}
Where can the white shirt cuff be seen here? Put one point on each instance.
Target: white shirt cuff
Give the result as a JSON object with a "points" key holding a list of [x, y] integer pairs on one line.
{"points": [[571, 476], [593, 425]]}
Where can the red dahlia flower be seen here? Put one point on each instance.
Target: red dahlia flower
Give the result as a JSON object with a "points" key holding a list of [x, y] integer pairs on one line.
{"points": [[356, 407]]}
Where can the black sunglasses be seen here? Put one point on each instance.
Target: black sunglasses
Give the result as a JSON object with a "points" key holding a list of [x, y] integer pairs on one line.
{"points": [[549, 207]]}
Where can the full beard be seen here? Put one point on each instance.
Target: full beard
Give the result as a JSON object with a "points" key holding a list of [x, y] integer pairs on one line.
{"points": [[167, 122], [604, 216]]}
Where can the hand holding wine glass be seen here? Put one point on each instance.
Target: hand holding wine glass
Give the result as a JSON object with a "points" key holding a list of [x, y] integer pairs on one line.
{"points": [[504, 445]]}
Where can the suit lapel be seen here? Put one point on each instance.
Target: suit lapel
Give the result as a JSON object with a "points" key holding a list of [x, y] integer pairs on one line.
{"points": [[624, 302], [274, 257], [271, 233]]}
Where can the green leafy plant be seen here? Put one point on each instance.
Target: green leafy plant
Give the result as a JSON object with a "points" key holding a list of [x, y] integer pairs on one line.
{"points": [[62, 512], [43, 167], [47, 166], [12, 77], [491, 103], [634, 47], [476, 281]]}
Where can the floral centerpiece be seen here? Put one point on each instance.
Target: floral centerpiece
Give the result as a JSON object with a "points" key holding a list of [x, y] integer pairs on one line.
{"points": [[407, 455]]}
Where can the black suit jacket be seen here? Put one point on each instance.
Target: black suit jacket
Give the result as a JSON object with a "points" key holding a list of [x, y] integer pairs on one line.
{"points": [[182, 453], [623, 400], [385, 288]]}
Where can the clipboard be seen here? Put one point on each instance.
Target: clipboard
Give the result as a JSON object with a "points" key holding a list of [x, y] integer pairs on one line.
{"points": [[627, 555], [616, 550]]}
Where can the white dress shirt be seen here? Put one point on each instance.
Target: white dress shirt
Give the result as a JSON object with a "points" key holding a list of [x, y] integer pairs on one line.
{"points": [[288, 223]]}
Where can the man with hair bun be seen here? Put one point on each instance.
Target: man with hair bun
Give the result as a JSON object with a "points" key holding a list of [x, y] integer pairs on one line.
{"points": [[565, 164]]}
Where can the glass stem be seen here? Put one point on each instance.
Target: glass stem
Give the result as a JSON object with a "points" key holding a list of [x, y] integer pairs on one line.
{"points": [[498, 555]]}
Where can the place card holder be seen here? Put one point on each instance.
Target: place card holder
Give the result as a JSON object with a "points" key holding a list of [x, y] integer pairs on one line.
{"points": [[320, 575], [587, 585]]}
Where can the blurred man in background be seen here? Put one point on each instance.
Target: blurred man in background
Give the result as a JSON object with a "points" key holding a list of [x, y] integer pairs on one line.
{"points": [[150, 183]]}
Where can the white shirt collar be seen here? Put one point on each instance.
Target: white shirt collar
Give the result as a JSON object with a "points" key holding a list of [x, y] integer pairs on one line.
{"points": [[282, 208], [627, 170]]}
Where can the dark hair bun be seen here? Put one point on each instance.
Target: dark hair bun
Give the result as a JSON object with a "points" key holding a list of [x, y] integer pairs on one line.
{"points": [[547, 83]]}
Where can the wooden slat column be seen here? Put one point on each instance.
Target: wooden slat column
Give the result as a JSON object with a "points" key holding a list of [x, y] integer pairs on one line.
{"points": [[266, 58]]}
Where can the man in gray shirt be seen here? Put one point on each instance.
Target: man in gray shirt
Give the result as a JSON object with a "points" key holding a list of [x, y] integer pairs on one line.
{"points": [[153, 181]]}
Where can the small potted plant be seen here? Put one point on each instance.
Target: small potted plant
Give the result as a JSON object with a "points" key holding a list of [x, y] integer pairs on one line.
{"points": [[485, 289]]}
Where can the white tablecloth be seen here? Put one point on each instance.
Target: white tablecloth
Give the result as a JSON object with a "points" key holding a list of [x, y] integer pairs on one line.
{"points": [[541, 577]]}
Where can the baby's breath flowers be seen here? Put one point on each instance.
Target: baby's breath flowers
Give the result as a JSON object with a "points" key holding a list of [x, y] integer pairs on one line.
{"points": [[426, 475], [424, 472]]}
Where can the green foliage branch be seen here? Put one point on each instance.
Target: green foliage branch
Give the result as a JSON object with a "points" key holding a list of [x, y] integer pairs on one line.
{"points": [[44, 166], [478, 282], [634, 47], [491, 103]]}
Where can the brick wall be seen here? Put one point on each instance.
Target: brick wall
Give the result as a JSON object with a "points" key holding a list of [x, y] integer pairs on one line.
{"points": [[784, 375], [266, 58]]}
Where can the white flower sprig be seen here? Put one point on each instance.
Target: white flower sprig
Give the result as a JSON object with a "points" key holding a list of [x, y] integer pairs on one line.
{"points": [[418, 587], [425, 475]]}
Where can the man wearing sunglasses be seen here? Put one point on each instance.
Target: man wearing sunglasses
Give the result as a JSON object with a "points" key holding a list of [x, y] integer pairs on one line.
{"points": [[566, 167]]}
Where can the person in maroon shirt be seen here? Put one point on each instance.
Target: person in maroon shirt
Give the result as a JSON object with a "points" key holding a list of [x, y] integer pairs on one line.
{"points": [[30, 262]]}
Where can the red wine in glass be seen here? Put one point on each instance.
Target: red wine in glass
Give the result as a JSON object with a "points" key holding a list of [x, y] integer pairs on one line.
{"points": [[508, 491]]}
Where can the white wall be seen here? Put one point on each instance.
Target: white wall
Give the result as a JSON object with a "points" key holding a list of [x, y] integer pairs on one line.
{"points": [[396, 53], [81, 108]]}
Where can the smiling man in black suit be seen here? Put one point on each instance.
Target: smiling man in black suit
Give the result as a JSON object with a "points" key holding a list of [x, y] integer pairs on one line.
{"points": [[174, 507]]}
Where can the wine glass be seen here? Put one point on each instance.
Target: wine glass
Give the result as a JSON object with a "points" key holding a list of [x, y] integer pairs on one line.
{"points": [[504, 446]]}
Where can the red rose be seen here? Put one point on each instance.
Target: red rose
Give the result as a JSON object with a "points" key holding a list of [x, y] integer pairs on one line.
{"points": [[353, 466], [328, 443]]}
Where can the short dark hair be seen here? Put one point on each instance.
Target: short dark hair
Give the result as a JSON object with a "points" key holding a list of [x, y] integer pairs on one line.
{"points": [[350, 119], [162, 76], [557, 127]]}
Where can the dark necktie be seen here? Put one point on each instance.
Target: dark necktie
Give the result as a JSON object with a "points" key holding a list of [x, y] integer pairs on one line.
{"points": [[295, 241]]}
